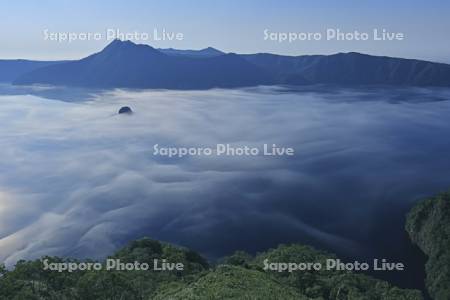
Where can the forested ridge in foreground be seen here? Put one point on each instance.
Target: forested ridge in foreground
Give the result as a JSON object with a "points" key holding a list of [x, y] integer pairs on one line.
{"points": [[239, 276], [428, 225]]}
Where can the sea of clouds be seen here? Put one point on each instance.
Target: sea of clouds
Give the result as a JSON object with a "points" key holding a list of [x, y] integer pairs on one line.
{"points": [[77, 179]]}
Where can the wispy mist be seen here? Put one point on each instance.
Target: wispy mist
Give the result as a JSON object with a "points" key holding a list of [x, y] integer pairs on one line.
{"points": [[77, 179]]}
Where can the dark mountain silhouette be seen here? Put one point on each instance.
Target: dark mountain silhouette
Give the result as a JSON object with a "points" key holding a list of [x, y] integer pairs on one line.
{"points": [[125, 64], [10, 69], [207, 52], [352, 69]]}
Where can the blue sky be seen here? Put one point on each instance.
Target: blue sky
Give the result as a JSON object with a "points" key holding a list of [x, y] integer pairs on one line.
{"points": [[232, 26]]}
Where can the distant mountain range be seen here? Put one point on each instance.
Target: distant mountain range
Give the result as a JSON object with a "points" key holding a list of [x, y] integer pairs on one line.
{"points": [[207, 52], [12, 69], [128, 65], [125, 64]]}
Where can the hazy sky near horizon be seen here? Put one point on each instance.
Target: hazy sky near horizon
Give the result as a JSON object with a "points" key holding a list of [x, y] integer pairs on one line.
{"points": [[231, 26]]}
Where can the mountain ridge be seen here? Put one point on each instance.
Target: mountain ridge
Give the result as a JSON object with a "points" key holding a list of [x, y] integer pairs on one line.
{"points": [[10, 69], [202, 53], [125, 64]]}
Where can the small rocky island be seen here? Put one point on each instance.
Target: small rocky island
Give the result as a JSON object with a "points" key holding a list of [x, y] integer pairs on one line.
{"points": [[125, 110]]}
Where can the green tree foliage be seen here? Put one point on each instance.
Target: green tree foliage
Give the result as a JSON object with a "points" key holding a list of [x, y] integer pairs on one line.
{"points": [[233, 282], [428, 225], [329, 284], [29, 280], [239, 258], [239, 276]]}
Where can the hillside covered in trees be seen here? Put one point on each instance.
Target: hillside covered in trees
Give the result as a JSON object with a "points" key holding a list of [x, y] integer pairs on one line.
{"points": [[428, 225], [239, 276]]}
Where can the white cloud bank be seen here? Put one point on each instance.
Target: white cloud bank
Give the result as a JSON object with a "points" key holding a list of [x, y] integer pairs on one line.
{"points": [[77, 179]]}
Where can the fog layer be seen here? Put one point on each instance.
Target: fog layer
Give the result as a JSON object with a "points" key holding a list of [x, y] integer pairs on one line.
{"points": [[77, 179]]}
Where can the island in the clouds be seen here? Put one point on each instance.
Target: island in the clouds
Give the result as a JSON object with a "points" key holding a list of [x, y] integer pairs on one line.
{"points": [[124, 64]]}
